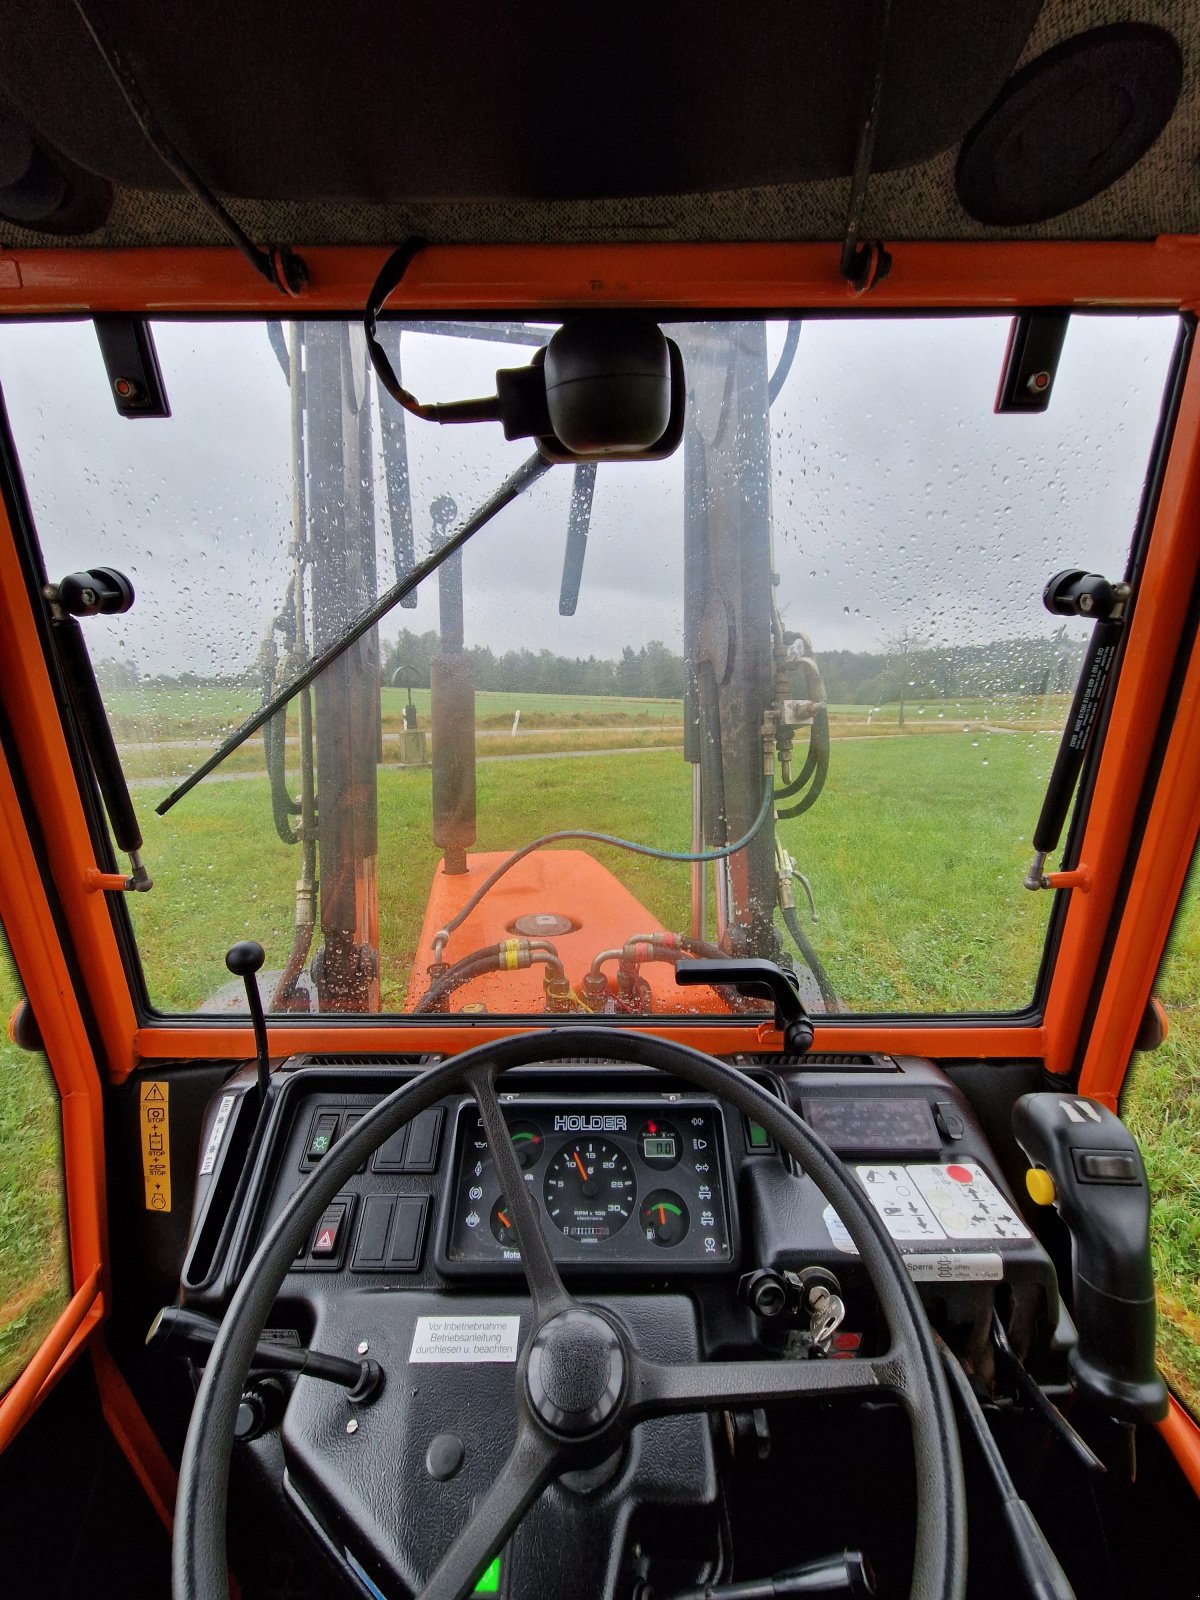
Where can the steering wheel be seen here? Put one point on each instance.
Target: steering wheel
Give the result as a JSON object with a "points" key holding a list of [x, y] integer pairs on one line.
{"points": [[581, 1384]]}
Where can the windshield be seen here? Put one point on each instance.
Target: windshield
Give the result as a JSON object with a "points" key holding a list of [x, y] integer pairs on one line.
{"points": [[809, 647]]}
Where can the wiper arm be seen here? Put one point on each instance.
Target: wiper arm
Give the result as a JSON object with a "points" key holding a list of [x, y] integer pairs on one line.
{"points": [[529, 472]]}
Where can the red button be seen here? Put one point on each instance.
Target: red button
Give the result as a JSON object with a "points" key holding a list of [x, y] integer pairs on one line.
{"points": [[959, 1174]]}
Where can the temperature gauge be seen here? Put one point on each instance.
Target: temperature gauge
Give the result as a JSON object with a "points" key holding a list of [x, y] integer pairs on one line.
{"points": [[659, 1144], [527, 1143], [664, 1217]]}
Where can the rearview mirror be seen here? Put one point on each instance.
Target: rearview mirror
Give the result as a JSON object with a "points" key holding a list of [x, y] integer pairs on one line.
{"points": [[613, 389], [609, 386]]}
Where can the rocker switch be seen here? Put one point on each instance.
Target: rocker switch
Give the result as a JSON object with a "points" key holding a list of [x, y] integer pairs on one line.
{"points": [[327, 1242]]}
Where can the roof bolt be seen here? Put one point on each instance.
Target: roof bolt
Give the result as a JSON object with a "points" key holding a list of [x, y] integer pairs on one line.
{"points": [[352, 1425]]}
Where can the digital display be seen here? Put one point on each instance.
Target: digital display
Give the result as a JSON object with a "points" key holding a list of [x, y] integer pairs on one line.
{"points": [[848, 1123], [659, 1147]]}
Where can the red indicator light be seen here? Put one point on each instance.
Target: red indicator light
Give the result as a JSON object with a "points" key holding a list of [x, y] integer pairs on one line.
{"points": [[959, 1174]]}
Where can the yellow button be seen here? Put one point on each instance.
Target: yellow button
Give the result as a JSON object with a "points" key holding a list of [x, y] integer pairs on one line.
{"points": [[1040, 1185]]}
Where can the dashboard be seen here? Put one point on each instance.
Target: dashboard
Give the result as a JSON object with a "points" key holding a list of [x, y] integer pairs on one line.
{"points": [[633, 1178], [664, 1208]]}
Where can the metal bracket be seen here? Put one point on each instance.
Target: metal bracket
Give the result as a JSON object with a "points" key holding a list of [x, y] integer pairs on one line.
{"points": [[138, 881]]}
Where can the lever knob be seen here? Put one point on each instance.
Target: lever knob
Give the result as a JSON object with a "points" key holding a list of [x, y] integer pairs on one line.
{"points": [[245, 958]]}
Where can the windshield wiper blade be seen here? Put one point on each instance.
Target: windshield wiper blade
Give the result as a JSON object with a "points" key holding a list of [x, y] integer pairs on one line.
{"points": [[529, 472]]}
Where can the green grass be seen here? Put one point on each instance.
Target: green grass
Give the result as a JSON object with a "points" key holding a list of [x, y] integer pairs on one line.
{"points": [[1161, 1104], [34, 1270], [207, 713], [921, 907]]}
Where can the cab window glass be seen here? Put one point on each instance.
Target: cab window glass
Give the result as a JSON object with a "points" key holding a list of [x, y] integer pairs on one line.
{"points": [[35, 1279], [1161, 1104], [849, 538]]}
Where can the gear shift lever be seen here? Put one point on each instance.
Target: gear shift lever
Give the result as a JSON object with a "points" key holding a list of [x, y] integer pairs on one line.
{"points": [[244, 960]]}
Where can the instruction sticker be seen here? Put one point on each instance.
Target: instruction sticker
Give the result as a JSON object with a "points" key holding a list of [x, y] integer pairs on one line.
{"points": [[156, 1145], [895, 1195], [929, 1266], [967, 1203], [220, 1123], [463, 1339]]}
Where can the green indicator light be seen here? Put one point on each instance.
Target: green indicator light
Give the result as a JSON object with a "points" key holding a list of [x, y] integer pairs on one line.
{"points": [[759, 1137], [490, 1582], [522, 1138]]}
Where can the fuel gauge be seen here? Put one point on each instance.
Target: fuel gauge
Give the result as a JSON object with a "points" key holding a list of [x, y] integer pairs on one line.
{"points": [[502, 1225], [664, 1217]]}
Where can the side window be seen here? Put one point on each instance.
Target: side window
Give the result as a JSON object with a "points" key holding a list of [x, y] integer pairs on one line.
{"points": [[1161, 1104], [35, 1271]]}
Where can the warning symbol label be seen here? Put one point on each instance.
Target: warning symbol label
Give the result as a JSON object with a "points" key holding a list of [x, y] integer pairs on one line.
{"points": [[156, 1145], [324, 1240]]}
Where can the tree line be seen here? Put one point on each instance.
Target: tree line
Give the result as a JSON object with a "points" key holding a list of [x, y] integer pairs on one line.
{"points": [[909, 668]]}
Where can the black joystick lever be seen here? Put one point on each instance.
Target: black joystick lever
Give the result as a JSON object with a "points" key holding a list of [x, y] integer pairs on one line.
{"points": [[752, 975], [244, 960], [1087, 1165]]}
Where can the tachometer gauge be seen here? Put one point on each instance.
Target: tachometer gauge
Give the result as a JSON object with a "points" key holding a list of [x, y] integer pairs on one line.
{"points": [[589, 1190], [664, 1217]]}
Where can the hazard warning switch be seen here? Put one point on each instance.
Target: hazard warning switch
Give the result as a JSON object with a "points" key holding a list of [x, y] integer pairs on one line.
{"points": [[328, 1239]]}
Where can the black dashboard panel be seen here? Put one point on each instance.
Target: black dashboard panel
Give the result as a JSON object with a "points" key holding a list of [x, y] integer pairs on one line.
{"points": [[616, 1159], [621, 1183]]}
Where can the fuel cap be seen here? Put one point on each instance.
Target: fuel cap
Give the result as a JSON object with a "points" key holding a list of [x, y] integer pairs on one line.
{"points": [[576, 1372]]}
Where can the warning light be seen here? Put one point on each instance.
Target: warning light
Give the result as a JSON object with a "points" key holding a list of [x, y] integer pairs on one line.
{"points": [[489, 1583]]}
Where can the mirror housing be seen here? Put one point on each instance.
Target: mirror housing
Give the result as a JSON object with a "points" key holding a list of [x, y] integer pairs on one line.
{"points": [[607, 387]]}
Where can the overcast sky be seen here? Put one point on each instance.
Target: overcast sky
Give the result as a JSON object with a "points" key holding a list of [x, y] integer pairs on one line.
{"points": [[900, 499]]}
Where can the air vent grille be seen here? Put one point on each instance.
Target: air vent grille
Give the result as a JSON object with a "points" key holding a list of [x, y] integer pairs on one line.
{"points": [[367, 1061]]}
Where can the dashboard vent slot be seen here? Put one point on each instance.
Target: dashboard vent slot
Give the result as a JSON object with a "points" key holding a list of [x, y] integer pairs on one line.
{"points": [[850, 1062], [369, 1061]]}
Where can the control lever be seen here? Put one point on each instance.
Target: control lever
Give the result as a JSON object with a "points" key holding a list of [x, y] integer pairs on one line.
{"points": [[244, 960], [847, 1574], [181, 1330], [1087, 1165], [752, 975]]}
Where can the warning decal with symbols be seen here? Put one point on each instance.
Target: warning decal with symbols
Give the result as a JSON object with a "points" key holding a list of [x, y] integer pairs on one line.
{"points": [[156, 1145]]}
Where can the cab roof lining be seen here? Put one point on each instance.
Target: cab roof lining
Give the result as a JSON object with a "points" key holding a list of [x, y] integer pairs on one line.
{"points": [[346, 129]]}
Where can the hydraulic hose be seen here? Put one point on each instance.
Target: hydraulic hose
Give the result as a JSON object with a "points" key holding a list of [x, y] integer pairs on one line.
{"points": [[818, 736], [811, 959], [786, 356], [491, 958], [819, 748], [720, 854]]}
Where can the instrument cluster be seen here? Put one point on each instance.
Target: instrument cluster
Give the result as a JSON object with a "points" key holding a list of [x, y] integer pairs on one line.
{"points": [[635, 1183]]}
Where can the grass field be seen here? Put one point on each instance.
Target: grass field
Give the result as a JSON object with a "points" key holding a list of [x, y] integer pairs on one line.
{"points": [[34, 1272], [921, 909]]}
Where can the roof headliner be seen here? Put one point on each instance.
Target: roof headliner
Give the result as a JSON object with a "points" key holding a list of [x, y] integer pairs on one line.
{"points": [[1161, 195]]}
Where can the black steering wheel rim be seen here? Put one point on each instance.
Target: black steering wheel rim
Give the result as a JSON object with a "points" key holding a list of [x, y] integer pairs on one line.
{"points": [[912, 1369]]}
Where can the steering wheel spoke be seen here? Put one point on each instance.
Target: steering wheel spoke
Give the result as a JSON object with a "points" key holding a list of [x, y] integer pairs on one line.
{"points": [[534, 1461], [656, 1389], [545, 1286]]}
